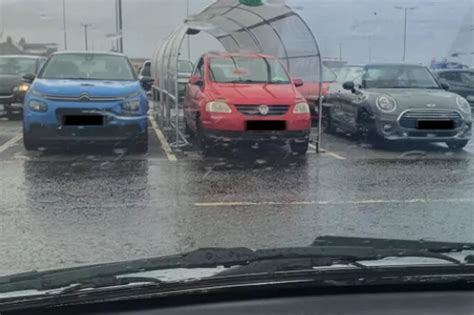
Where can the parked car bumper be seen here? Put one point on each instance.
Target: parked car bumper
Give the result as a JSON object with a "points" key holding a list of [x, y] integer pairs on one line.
{"points": [[256, 136], [395, 132]]}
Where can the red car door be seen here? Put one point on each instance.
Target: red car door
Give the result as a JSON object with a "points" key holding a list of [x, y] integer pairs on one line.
{"points": [[194, 94]]}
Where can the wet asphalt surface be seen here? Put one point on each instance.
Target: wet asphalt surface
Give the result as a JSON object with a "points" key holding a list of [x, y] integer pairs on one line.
{"points": [[65, 208]]}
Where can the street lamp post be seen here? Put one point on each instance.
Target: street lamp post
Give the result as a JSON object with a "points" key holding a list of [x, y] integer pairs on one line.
{"points": [[64, 25], [188, 39], [86, 26], [406, 9], [119, 24]]}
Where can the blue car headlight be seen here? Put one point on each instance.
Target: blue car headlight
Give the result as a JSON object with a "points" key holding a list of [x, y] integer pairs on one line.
{"points": [[131, 105], [38, 106]]}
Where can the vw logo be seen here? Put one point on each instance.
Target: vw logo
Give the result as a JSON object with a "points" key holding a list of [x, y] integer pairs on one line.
{"points": [[431, 105], [263, 110]]}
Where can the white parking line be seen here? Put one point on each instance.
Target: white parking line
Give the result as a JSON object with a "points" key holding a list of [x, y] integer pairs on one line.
{"points": [[10, 143], [332, 202], [328, 153], [164, 144]]}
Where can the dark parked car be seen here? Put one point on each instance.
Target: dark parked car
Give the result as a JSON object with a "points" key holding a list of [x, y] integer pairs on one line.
{"points": [[461, 82], [399, 102], [12, 88]]}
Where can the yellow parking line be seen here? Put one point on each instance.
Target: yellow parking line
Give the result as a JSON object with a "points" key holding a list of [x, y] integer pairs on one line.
{"points": [[328, 153], [164, 144], [10, 143]]}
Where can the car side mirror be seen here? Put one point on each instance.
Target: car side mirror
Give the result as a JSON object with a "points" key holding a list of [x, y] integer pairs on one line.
{"points": [[349, 85], [28, 78], [195, 80], [445, 85], [298, 82], [146, 80]]}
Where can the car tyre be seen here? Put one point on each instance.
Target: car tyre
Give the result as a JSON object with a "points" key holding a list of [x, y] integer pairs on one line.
{"points": [[367, 132], [30, 144], [188, 131], [141, 145], [11, 115], [205, 147], [299, 148], [457, 145], [326, 122]]}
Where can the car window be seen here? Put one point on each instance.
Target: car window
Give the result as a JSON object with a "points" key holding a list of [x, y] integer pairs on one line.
{"points": [[468, 78], [398, 77], [185, 66], [242, 69], [349, 73], [451, 76], [88, 66], [198, 71], [17, 65]]}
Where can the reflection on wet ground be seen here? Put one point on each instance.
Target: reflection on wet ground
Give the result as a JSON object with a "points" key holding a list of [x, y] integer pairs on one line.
{"points": [[76, 207]]}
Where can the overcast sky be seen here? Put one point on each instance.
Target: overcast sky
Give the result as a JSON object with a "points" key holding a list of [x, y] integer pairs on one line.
{"points": [[363, 29]]}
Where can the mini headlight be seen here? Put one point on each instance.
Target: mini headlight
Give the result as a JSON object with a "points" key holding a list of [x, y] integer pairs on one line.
{"points": [[218, 107], [22, 87], [37, 106], [463, 105], [301, 108], [386, 104]]}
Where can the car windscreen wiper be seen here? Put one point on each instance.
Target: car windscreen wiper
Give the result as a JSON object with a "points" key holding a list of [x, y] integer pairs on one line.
{"points": [[381, 243], [206, 258]]}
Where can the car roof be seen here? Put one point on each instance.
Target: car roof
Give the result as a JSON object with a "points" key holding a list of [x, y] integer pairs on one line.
{"points": [[352, 66], [394, 64], [82, 52], [453, 70], [23, 56], [238, 54]]}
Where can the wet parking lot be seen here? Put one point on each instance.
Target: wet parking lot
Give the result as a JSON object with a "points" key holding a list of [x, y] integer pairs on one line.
{"points": [[84, 205]]}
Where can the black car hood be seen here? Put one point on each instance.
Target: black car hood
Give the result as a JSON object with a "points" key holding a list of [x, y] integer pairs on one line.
{"points": [[8, 82], [420, 98]]}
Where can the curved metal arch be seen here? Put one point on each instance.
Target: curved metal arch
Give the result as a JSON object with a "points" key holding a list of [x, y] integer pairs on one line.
{"points": [[164, 56], [251, 34], [274, 30]]}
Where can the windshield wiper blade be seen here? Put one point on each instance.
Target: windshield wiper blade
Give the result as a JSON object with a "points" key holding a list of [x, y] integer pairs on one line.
{"points": [[204, 258], [381, 243]]}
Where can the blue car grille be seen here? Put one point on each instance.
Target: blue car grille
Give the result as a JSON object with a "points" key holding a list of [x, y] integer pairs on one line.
{"points": [[83, 98], [409, 119]]}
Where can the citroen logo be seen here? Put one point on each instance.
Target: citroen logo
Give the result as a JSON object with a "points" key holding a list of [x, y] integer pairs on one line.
{"points": [[431, 105], [84, 97], [263, 110]]}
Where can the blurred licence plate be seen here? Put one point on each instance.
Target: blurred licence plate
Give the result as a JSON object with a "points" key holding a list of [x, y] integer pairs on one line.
{"points": [[435, 124], [266, 125], [83, 120]]}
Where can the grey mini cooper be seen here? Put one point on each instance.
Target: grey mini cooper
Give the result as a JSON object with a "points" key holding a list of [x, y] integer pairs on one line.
{"points": [[404, 102]]}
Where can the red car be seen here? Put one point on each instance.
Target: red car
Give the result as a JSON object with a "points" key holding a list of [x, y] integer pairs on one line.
{"points": [[310, 89], [245, 98]]}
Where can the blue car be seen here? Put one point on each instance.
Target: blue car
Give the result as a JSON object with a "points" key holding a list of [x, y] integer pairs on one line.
{"points": [[86, 98]]}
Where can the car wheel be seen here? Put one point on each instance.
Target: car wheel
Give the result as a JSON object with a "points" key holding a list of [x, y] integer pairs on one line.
{"points": [[367, 132], [326, 122], [300, 148], [188, 131], [30, 144], [11, 115], [457, 145], [141, 144], [205, 147]]}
